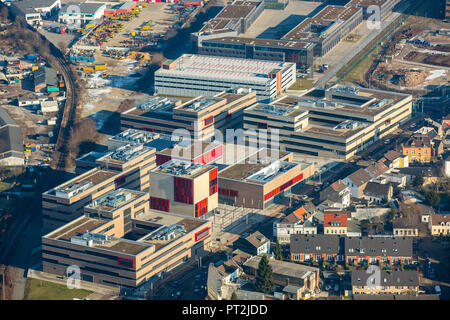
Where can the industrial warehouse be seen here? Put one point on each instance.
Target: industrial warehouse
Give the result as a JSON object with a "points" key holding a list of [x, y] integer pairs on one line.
{"points": [[336, 122], [196, 75]]}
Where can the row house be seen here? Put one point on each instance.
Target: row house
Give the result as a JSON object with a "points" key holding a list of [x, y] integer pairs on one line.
{"points": [[389, 282], [316, 247], [376, 250]]}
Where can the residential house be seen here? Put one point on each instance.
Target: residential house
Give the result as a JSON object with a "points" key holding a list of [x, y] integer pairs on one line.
{"points": [[221, 281], [440, 224], [335, 222], [389, 282], [406, 226], [287, 274], [395, 159], [377, 192], [337, 192], [255, 243], [376, 250], [298, 222], [377, 169], [447, 166], [357, 181], [430, 174], [319, 247], [418, 149]]}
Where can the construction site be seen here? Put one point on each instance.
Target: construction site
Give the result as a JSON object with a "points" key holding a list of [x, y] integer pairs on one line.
{"points": [[416, 58]]}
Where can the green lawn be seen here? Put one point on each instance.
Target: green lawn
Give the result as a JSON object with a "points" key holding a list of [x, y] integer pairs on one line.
{"points": [[4, 186], [43, 290], [357, 74], [302, 84]]}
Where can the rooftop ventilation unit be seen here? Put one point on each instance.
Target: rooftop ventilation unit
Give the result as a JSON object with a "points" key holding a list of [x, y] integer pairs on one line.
{"points": [[88, 239], [127, 152], [166, 232], [73, 189]]}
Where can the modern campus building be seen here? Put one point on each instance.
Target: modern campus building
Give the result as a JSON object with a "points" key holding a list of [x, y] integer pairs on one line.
{"points": [[298, 52], [185, 188], [128, 250], [196, 75], [65, 202], [336, 122], [327, 28], [200, 116], [259, 182], [134, 161], [127, 166], [314, 36]]}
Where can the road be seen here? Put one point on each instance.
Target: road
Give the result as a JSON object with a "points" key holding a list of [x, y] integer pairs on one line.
{"points": [[334, 69]]}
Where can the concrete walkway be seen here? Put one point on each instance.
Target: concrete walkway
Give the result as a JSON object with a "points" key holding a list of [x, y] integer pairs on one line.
{"points": [[19, 284], [95, 287]]}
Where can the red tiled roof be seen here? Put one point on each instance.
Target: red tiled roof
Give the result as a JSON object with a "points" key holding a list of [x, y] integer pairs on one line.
{"points": [[334, 220]]}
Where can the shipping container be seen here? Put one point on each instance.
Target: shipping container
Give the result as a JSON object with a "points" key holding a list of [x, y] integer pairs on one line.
{"points": [[52, 89]]}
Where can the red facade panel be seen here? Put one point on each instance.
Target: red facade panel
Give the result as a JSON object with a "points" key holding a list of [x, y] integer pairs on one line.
{"points": [[228, 192], [213, 181], [281, 188], [183, 190], [209, 120], [162, 158], [201, 234], [120, 181], [159, 204], [201, 208], [125, 262]]}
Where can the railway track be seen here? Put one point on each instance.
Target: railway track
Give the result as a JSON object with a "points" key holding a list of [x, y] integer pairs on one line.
{"points": [[68, 115]]}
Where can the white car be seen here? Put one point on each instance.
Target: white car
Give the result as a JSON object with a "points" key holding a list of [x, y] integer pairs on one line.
{"points": [[387, 141]]}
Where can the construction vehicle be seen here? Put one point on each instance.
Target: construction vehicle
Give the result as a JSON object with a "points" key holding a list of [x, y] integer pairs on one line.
{"points": [[104, 75], [100, 67]]}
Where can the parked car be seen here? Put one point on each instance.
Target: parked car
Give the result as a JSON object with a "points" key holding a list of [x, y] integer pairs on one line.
{"points": [[317, 189]]}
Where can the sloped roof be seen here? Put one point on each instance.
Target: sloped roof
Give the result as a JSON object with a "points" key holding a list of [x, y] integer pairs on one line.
{"points": [[388, 278], [335, 219], [359, 177], [377, 189]]}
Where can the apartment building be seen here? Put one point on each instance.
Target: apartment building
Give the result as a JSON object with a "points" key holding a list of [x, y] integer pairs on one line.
{"points": [[200, 116], [106, 253], [185, 188], [390, 282], [378, 250], [133, 161], [257, 182], [334, 123], [198, 75], [300, 221], [335, 222]]}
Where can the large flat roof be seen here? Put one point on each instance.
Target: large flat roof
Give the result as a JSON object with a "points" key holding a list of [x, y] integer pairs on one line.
{"points": [[261, 172], [181, 168], [264, 42], [115, 199], [211, 67]]}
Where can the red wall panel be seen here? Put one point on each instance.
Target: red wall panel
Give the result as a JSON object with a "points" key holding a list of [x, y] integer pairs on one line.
{"points": [[183, 190], [201, 208], [159, 204]]}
